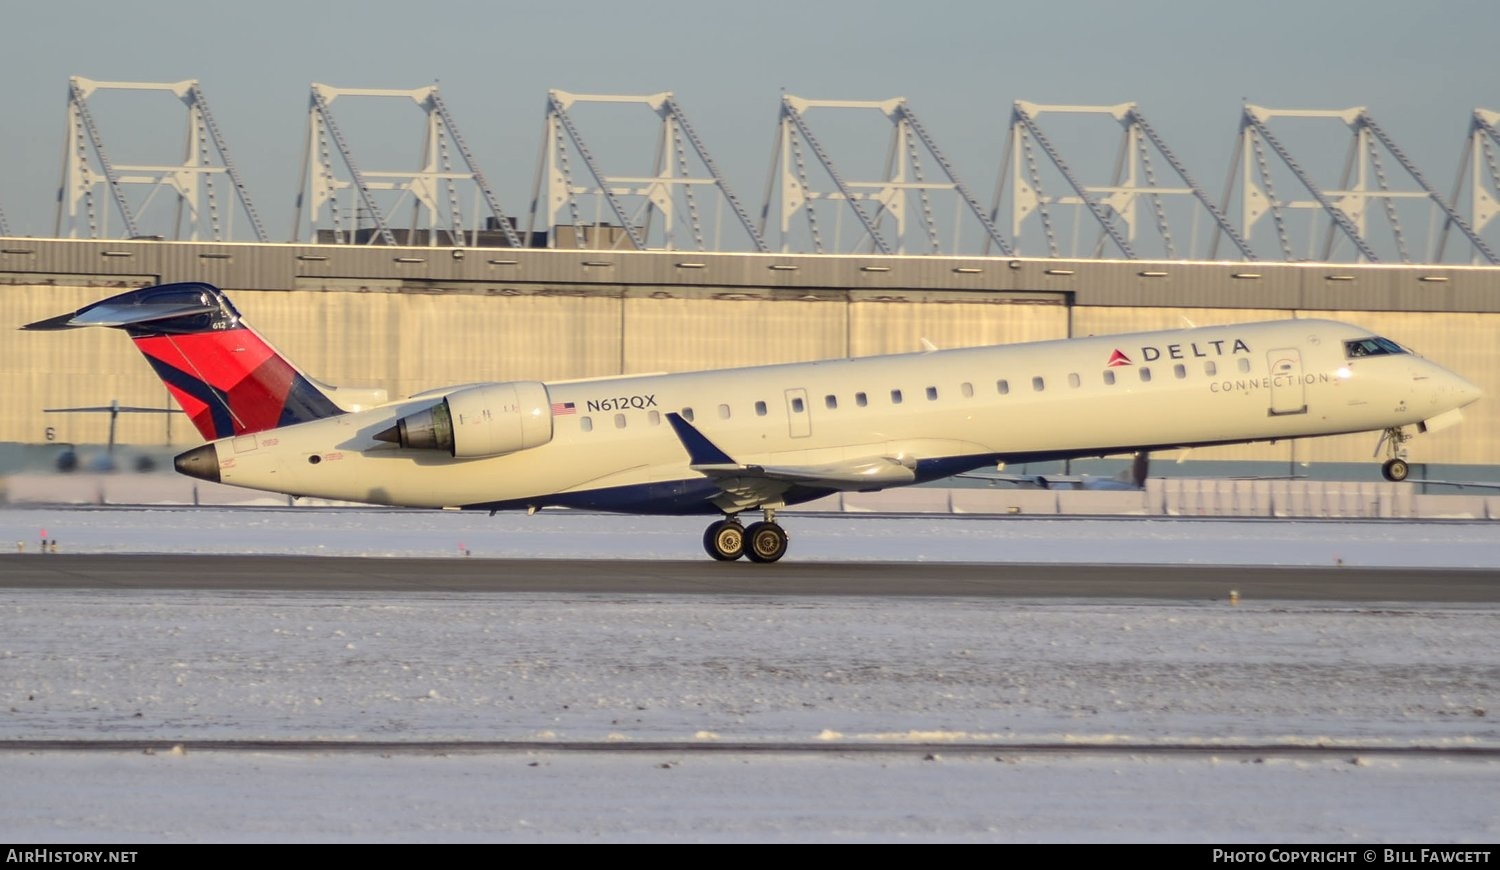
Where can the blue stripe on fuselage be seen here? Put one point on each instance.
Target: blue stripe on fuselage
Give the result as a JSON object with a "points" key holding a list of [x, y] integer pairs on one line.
{"points": [[695, 495]]}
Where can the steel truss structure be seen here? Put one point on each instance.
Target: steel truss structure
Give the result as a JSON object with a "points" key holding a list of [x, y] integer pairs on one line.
{"points": [[845, 188], [1114, 206], [1479, 171], [189, 184], [888, 225], [436, 189], [680, 168], [1364, 181]]}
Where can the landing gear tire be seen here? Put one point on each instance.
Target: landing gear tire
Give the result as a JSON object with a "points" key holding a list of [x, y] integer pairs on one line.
{"points": [[1395, 470], [725, 540], [765, 542]]}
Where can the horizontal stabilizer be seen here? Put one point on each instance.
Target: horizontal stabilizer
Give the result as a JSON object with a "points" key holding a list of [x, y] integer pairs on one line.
{"points": [[122, 315]]}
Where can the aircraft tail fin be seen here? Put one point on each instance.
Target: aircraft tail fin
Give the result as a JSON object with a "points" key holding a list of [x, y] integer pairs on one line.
{"points": [[227, 379]]}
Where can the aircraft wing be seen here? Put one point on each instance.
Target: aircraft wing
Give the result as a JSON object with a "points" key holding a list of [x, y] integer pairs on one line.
{"points": [[873, 472], [110, 409], [1461, 484], [1131, 478], [1053, 481], [864, 473]]}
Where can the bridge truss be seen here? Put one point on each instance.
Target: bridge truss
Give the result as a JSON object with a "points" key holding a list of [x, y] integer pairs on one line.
{"points": [[1375, 173], [1103, 218], [200, 199], [846, 177], [361, 204]]}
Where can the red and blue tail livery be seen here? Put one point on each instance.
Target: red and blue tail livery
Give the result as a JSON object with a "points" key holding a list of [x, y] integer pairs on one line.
{"points": [[228, 380]]}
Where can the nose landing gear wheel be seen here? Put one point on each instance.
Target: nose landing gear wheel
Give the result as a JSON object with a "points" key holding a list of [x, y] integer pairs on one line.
{"points": [[1395, 470], [765, 542], [725, 540]]}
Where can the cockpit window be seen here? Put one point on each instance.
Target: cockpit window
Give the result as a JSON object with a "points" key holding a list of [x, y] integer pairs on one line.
{"points": [[1373, 346]]}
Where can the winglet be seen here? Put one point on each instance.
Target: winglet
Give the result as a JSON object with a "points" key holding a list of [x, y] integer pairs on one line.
{"points": [[700, 450]]}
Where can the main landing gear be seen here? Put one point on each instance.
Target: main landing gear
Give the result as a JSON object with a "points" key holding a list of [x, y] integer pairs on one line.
{"points": [[726, 540], [1395, 468]]}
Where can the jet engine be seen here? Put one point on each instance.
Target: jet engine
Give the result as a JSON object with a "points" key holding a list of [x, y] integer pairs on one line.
{"points": [[489, 420]]}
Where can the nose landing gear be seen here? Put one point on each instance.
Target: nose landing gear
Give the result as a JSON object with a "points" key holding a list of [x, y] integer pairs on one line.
{"points": [[1395, 468], [726, 540]]}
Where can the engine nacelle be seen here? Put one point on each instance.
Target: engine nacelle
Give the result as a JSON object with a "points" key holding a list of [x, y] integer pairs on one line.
{"points": [[479, 421]]}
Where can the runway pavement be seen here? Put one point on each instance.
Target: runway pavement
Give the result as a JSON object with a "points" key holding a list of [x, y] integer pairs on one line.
{"points": [[1031, 581]]}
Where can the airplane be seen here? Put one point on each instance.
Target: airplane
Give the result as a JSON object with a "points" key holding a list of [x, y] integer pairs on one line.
{"points": [[761, 438], [68, 459]]}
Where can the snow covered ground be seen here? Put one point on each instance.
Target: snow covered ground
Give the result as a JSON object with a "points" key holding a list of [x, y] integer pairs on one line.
{"points": [[826, 537], [632, 669]]}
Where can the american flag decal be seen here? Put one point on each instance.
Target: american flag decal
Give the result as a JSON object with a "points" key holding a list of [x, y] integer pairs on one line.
{"points": [[562, 409]]}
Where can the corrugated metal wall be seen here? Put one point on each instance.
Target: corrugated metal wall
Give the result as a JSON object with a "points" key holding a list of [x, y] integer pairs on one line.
{"points": [[487, 270]]}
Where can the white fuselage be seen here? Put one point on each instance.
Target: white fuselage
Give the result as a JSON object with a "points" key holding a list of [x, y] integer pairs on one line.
{"points": [[940, 412]]}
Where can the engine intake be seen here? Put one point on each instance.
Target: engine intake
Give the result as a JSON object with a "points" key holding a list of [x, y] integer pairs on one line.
{"points": [[491, 420]]}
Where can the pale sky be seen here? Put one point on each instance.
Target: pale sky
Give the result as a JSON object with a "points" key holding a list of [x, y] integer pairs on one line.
{"points": [[1421, 68]]}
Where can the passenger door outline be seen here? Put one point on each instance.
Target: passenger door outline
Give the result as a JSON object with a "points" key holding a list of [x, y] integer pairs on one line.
{"points": [[1288, 393]]}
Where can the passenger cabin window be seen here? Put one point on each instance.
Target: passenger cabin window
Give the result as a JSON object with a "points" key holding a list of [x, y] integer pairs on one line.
{"points": [[967, 389], [1038, 384], [1244, 364], [1210, 368], [619, 421], [586, 424], [1109, 377], [932, 394], [687, 414], [1145, 374], [861, 399], [653, 417], [1002, 386], [723, 412], [831, 402], [760, 409], [895, 397], [1374, 346], [1179, 370], [1074, 380], [798, 406]]}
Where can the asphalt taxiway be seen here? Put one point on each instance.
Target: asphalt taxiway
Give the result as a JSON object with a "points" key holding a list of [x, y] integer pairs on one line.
{"points": [[1032, 581]]}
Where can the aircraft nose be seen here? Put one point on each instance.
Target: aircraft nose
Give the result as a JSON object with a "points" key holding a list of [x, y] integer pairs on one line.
{"points": [[1465, 392]]}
